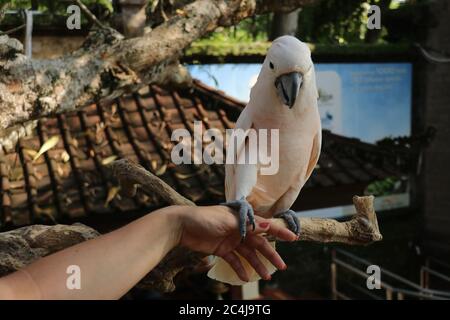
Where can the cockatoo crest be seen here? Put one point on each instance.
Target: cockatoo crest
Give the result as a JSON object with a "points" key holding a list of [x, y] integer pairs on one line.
{"points": [[287, 54], [286, 68]]}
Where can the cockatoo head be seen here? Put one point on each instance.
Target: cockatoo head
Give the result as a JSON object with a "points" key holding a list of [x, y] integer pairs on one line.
{"points": [[287, 63]]}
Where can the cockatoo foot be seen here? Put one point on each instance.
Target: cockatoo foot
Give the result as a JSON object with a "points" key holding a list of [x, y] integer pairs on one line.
{"points": [[291, 220], [246, 214]]}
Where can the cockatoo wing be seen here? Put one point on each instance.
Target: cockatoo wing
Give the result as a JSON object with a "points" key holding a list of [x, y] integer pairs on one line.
{"points": [[240, 178], [288, 198], [315, 154]]}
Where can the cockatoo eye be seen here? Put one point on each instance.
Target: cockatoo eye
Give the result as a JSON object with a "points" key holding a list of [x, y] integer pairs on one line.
{"points": [[271, 65]]}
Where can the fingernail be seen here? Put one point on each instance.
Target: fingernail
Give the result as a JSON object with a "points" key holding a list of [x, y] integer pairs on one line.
{"points": [[264, 225], [284, 267]]}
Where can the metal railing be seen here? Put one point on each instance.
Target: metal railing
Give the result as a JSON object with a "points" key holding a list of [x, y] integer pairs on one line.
{"points": [[403, 288], [428, 272]]}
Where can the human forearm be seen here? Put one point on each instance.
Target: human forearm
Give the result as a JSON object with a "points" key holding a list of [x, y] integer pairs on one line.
{"points": [[110, 265]]}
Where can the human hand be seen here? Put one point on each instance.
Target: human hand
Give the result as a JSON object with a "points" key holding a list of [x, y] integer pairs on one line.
{"points": [[214, 230]]}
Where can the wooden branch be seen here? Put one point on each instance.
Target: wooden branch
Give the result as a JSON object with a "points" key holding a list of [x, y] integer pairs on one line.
{"points": [[131, 175], [91, 17], [22, 246], [112, 65], [27, 244], [362, 229], [13, 30]]}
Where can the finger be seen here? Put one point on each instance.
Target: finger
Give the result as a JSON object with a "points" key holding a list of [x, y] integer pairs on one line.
{"points": [[251, 218], [233, 260], [262, 226], [264, 247], [280, 231], [250, 255]]}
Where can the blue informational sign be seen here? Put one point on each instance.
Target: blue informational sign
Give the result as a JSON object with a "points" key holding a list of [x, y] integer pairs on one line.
{"points": [[369, 101]]}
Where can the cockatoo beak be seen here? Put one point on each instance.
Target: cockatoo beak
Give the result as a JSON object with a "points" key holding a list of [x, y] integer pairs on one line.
{"points": [[288, 86]]}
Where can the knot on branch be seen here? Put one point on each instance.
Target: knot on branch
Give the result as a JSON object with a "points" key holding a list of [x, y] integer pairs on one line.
{"points": [[101, 36], [364, 225], [231, 12]]}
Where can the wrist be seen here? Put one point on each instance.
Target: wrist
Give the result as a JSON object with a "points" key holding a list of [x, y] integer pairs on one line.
{"points": [[176, 219]]}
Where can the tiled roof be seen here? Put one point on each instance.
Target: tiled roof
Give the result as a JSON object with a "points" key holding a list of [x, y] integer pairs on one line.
{"points": [[70, 180]]}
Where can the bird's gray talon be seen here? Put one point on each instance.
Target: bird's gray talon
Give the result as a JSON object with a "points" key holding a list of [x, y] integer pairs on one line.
{"points": [[246, 215], [291, 221]]}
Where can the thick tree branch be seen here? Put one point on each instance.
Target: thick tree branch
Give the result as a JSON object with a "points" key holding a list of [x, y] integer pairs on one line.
{"points": [[362, 229], [22, 246], [109, 65]]}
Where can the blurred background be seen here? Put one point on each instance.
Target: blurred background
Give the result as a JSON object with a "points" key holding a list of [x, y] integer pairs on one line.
{"points": [[384, 101]]}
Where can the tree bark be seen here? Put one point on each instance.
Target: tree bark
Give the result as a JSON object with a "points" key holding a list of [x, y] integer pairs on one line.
{"points": [[107, 65], [23, 249], [284, 24]]}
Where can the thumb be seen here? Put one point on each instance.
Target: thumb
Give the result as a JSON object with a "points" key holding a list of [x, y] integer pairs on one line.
{"points": [[261, 226]]}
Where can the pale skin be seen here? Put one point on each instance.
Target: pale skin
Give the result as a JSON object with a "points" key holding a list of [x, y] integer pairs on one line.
{"points": [[113, 263]]}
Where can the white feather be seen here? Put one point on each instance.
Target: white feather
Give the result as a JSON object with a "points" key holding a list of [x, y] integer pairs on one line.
{"points": [[299, 145]]}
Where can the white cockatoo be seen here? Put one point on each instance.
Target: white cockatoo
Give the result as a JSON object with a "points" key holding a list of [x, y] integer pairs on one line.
{"points": [[284, 97]]}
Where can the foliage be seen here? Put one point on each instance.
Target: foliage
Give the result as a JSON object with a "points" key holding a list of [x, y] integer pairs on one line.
{"points": [[383, 187], [325, 22], [249, 37], [53, 12], [334, 26], [220, 49], [52, 6], [248, 30], [335, 21]]}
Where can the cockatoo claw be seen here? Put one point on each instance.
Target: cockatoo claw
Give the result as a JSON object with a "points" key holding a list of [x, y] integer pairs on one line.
{"points": [[291, 220], [246, 215]]}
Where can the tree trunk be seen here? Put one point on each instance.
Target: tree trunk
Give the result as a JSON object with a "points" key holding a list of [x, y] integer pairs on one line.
{"points": [[284, 24], [434, 83]]}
